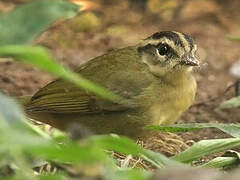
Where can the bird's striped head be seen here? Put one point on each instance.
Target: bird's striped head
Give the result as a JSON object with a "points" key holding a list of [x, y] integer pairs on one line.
{"points": [[168, 51]]}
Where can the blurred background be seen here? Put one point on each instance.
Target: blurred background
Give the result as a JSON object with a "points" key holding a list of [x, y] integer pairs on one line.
{"points": [[105, 25]]}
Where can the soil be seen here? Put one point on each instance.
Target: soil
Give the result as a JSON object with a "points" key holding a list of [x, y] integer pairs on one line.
{"points": [[210, 27]]}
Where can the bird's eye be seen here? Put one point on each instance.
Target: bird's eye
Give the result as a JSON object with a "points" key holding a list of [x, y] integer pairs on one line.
{"points": [[163, 49]]}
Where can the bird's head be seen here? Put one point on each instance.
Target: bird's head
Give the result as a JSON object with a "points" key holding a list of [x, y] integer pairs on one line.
{"points": [[168, 51]]}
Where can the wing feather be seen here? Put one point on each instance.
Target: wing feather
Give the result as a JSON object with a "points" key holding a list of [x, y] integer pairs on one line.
{"points": [[74, 100]]}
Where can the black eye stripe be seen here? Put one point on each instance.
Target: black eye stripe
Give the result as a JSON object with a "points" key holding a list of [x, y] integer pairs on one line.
{"points": [[172, 52]]}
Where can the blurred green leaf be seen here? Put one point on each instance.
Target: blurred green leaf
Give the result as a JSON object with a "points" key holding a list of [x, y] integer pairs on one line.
{"points": [[11, 113], [41, 58], [70, 152], [16, 136], [231, 103], [228, 160], [220, 162], [131, 174], [127, 146], [206, 147], [52, 177], [234, 39], [14, 129], [10, 178], [231, 129], [28, 21], [159, 160], [21, 142], [119, 144]]}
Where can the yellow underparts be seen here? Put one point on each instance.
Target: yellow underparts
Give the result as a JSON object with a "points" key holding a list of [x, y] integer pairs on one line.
{"points": [[174, 97]]}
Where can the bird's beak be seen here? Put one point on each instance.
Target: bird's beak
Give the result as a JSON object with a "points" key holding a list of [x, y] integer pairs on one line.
{"points": [[189, 60]]}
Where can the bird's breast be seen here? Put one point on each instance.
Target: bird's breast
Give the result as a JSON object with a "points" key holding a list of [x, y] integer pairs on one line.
{"points": [[170, 101]]}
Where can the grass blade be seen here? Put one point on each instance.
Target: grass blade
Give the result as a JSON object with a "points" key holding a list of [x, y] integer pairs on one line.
{"points": [[220, 162], [231, 129], [231, 103], [159, 160], [206, 147]]}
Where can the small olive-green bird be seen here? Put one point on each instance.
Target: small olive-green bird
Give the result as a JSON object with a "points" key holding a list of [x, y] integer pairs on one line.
{"points": [[153, 77]]}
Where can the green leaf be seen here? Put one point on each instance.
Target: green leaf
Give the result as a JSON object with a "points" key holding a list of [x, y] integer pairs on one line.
{"points": [[70, 152], [234, 39], [28, 21], [159, 160], [231, 129], [228, 160], [41, 58], [17, 137], [11, 113], [127, 146], [11, 178], [231, 103], [220, 162], [131, 174], [51, 177], [16, 134], [119, 144], [13, 121], [206, 147]]}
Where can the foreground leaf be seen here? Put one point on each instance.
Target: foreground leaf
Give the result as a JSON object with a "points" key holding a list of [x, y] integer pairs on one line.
{"points": [[71, 152], [234, 39], [16, 136], [231, 129], [127, 146], [11, 114], [131, 174], [41, 58], [14, 127], [28, 21], [119, 144]]}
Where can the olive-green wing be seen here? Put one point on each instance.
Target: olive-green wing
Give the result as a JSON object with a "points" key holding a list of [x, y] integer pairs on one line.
{"points": [[119, 71], [64, 97]]}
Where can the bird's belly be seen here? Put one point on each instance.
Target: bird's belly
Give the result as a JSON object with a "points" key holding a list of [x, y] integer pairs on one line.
{"points": [[163, 115], [122, 123]]}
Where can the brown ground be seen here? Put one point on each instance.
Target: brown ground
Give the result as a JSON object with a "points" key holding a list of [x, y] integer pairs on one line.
{"points": [[207, 22]]}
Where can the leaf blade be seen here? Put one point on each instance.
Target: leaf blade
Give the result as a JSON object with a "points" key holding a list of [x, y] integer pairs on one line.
{"points": [[28, 21], [41, 58], [231, 129], [206, 147]]}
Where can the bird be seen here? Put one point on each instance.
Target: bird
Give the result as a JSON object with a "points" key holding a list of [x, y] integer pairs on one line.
{"points": [[154, 78]]}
